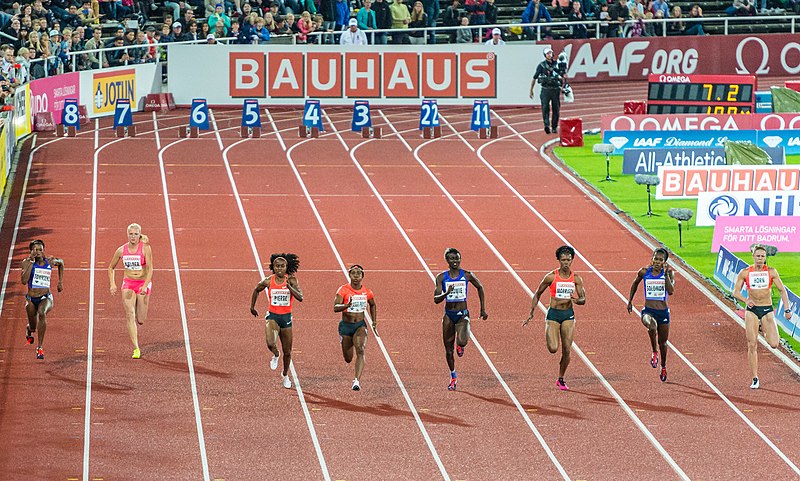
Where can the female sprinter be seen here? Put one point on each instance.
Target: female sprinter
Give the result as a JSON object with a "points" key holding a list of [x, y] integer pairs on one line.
{"points": [[659, 283], [451, 285], [137, 258], [352, 300], [36, 272], [564, 285], [759, 279], [282, 289]]}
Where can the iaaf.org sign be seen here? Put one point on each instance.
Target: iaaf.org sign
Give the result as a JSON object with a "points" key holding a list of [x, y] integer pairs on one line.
{"points": [[622, 140], [701, 122], [362, 74], [689, 182], [635, 58], [711, 206], [739, 233]]}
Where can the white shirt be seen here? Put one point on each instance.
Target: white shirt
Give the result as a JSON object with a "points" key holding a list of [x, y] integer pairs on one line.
{"points": [[491, 42], [353, 38]]}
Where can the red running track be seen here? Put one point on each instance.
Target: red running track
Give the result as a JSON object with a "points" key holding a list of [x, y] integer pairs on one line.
{"points": [[202, 403]]}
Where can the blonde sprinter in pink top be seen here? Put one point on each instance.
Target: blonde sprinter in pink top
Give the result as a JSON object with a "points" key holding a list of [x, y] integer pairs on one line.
{"points": [[137, 258]]}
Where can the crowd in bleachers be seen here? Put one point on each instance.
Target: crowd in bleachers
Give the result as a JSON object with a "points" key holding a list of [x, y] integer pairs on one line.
{"points": [[39, 35]]}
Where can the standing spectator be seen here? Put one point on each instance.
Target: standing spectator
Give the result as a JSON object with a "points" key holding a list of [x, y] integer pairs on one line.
{"points": [[401, 17], [432, 8], [219, 17], [366, 19], [383, 18], [353, 36], [452, 18], [619, 14], [477, 14], [536, 12], [491, 16], [23, 59], [95, 58], [305, 26], [327, 8], [342, 15], [418, 20], [576, 15], [464, 35]]}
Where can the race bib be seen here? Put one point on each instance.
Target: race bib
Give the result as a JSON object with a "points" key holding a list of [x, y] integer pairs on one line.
{"points": [[564, 290], [759, 280], [280, 297], [41, 278], [132, 262], [655, 289], [459, 292], [358, 303]]}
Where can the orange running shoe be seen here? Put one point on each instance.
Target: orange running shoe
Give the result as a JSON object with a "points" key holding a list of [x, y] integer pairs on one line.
{"points": [[654, 359], [39, 353]]}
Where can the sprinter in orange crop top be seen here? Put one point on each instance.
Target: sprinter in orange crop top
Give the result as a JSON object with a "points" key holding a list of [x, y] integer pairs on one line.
{"points": [[566, 289], [282, 289], [759, 279], [353, 300], [137, 259]]}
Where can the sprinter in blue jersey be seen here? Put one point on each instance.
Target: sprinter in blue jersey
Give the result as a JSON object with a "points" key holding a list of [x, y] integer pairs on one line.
{"points": [[37, 270], [659, 284], [452, 286]]}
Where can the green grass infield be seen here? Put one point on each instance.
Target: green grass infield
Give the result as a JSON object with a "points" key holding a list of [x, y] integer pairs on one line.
{"points": [[632, 199]]}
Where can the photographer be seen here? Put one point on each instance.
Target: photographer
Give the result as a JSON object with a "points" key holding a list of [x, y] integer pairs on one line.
{"points": [[551, 77]]}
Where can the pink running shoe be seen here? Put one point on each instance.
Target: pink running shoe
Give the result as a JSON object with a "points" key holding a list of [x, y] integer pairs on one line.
{"points": [[459, 350], [452, 386], [663, 375], [39, 353], [28, 336], [654, 359], [562, 385]]}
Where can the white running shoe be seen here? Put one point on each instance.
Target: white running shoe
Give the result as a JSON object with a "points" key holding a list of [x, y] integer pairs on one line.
{"points": [[356, 385], [755, 383], [287, 383], [273, 363]]}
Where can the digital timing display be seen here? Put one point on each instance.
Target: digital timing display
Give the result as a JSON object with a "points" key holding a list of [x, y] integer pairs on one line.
{"points": [[701, 94]]}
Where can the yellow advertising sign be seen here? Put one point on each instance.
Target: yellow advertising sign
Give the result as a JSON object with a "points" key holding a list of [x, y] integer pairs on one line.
{"points": [[108, 87]]}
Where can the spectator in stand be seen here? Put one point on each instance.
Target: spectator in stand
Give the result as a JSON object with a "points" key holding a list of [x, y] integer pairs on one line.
{"points": [[696, 27], [366, 20], [269, 22], [432, 9], [452, 18], [491, 16], [342, 15], [13, 30], [175, 7], [260, 31], [418, 20], [304, 26], [119, 32], [46, 54], [477, 14], [676, 27], [589, 8], [561, 7], [192, 33], [95, 59], [40, 12], [150, 31], [401, 17], [497, 38], [210, 7], [741, 8], [211, 39], [108, 8], [464, 35], [124, 9], [660, 5], [166, 34], [536, 12], [219, 17], [204, 30], [353, 35], [34, 47], [130, 37], [274, 9], [319, 26], [23, 59], [188, 17], [327, 8], [576, 15], [637, 28], [76, 45], [140, 51], [87, 16], [619, 15], [119, 56], [383, 18], [177, 32]]}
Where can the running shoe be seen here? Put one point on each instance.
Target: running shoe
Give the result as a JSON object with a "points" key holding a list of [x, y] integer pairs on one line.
{"points": [[453, 382], [663, 375], [273, 363], [28, 336], [136, 354], [755, 383], [562, 385], [287, 383], [39, 353], [356, 385], [654, 359], [459, 350]]}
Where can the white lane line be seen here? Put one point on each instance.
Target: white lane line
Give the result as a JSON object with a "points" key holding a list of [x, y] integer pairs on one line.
{"points": [[155, 127], [432, 277], [184, 322], [389, 362], [624, 299], [309, 422]]}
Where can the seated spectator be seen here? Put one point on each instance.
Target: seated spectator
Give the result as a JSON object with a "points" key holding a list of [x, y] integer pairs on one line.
{"points": [[604, 16], [140, 53], [320, 26], [269, 22], [401, 17], [490, 10], [497, 38], [695, 28], [177, 32], [741, 8], [87, 16], [130, 37], [219, 17], [464, 35], [13, 30], [192, 35], [536, 12], [576, 15], [124, 9], [418, 20], [649, 27], [204, 30], [561, 7], [353, 35], [662, 6], [260, 31], [118, 57], [95, 58], [166, 34]]}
